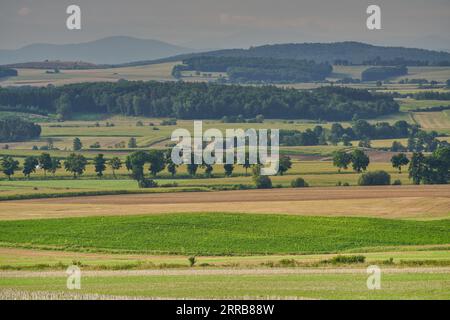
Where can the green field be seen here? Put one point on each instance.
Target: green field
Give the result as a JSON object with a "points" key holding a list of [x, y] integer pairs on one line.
{"points": [[291, 286], [221, 234]]}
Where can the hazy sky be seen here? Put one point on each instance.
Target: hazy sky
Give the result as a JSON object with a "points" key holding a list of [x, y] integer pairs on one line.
{"points": [[227, 23]]}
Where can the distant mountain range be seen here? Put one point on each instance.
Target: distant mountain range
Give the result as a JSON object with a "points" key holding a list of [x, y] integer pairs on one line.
{"points": [[129, 51], [112, 50]]}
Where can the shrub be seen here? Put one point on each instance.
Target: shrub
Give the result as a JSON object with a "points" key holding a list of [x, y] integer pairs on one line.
{"points": [[299, 183], [397, 183], [346, 259], [375, 178], [263, 182], [147, 183], [192, 261]]}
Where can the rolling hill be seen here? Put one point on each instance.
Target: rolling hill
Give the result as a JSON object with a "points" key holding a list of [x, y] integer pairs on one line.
{"points": [[112, 50]]}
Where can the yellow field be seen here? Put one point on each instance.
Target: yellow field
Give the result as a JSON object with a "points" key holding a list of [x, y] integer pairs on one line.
{"points": [[36, 77], [393, 202], [439, 121]]}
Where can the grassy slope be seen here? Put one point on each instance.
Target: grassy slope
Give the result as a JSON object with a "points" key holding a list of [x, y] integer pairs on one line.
{"points": [[218, 234]]}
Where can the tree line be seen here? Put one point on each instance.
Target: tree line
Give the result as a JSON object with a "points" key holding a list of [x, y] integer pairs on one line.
{"points": [[245, 69], [17, 129], [200, 100], [360, 130], [382, 73], [8, 72]]}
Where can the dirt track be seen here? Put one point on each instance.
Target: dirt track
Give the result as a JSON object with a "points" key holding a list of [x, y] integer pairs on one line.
{"points": [[418, 202]]}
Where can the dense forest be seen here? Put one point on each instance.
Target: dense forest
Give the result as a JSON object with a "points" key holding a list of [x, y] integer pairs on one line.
{"points": [[383, 73], [340, 52], [7, 72], [241, 69], [200, 100], [432, 95], [17, 129]]}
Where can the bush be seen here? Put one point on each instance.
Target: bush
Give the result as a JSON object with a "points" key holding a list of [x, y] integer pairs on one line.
{"points": [[397, 183], [346, 259], [192, 261], [147, 183], [299, 183], [263, 182], [375, 178]]}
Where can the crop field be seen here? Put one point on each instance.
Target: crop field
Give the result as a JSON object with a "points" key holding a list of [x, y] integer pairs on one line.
{"points": [[397, 284], [406, 202], [222, 234], [412, 104], [438, 121], [39, 77]]}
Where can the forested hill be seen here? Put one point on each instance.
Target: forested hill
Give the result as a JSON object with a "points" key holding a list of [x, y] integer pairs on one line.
{"points": [[199, 101], [339, 52], [353, 52]]}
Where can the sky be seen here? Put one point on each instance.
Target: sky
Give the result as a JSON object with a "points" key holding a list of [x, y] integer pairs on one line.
{"points": [[213, 24]]}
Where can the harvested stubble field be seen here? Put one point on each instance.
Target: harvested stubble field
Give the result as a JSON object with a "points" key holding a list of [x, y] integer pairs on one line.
{"points": [[396, 202]]}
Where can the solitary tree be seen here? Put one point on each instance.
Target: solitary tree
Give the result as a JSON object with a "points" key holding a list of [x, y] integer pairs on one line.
{"points": [[341, 159], [115, 164], [171, 166], [56, 164], [417, 167], [399, 160], [9, 166], [157, 161], [77, 145], [29, 166], [132, 143], [360, 161], [45, 162], [284, 165], [228, 168], [76, 164], [99, 164]]}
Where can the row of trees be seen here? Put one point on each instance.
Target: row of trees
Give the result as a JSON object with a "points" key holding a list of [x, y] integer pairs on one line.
{"points": [[360, 130], [200, 100], [255, 69], [427, 169], [74, 163]]}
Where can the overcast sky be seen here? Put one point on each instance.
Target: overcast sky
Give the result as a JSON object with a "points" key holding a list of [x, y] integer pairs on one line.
{"points": [[227, 23]]}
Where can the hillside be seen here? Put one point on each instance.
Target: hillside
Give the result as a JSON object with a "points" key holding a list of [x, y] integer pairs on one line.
{"points": [[112, 50], [339, 53]]}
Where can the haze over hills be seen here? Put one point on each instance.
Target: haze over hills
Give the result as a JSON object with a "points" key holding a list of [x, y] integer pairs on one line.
{"points": [[111, 50]]}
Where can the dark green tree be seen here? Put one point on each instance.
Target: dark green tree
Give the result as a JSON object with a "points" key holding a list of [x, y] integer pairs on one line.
{"points": [[29, 166], [77, 145], [115, 164], [132, 143], [284, 165], [9, 166], [56, 164], [341, 159], [360, 161], [157, 161], [45, 162], [99, 164], [399, 160], [228, 168], [417, 167], [76, 164]]}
